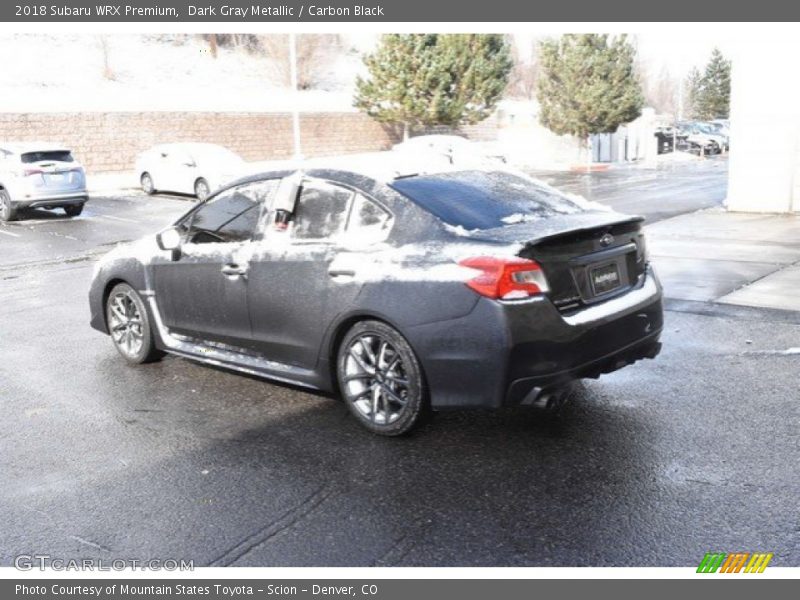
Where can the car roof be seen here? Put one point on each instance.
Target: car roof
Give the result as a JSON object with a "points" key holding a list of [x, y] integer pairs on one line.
{"points": [[23, 147], [434, 141], [385, 166]]}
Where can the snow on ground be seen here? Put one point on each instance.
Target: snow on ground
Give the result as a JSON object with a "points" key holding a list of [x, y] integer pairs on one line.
{"points": [[678, 157], [65, 73]]}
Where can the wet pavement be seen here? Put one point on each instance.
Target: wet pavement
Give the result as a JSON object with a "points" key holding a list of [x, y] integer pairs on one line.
{"points": [[735, 258], [656, 464], [656, 194]]}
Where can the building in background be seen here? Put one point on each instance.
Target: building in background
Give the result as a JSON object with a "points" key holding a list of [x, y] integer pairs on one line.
{"points": [[764, 171]]}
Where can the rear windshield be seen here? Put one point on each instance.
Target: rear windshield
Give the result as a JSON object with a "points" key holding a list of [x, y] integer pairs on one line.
{"points": [[47, 155], [484, 200]]}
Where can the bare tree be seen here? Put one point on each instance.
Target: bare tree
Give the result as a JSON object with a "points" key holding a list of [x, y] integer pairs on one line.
{"points": [[662, 92], [315, 52], [108, 72], [524, 73], [661, 88]]}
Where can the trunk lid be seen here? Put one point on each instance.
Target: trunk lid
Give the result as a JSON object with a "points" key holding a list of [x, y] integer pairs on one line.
{"points": [[587, 257], [55, 176]]}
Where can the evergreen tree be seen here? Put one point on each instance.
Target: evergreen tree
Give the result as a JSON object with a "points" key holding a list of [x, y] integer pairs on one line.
{"points": [[588, 84], [420, 80], [694, 89], [712, 98]]}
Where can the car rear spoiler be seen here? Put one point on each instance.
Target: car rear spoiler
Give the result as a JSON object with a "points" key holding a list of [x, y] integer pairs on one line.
{"points": [[535, 232]]}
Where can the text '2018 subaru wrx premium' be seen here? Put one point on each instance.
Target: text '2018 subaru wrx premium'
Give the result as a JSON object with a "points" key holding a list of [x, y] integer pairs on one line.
{"points": [[403, 291]]}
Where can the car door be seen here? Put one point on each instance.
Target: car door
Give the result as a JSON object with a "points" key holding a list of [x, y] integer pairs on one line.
{"points": [[183, 170], [203, 294], [161, 169], [294, 289]]}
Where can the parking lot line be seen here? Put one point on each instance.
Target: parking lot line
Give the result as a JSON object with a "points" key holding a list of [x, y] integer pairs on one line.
{"points": [[9, 233], [118, 218]]}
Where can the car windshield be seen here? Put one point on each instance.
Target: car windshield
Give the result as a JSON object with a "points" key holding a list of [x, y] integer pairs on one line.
{"points": [[47, 155], [216, 155], [484, 199]]}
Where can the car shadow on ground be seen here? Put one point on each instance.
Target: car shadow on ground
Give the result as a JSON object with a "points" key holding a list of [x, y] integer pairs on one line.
{"points": [[42, 214], [515, 478]]}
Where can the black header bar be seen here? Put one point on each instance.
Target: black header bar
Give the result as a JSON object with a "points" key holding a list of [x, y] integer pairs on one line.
{"points": [[434, 11]]}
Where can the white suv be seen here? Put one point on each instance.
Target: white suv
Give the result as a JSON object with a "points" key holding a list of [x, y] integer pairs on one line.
{"points": [[36, 175]]}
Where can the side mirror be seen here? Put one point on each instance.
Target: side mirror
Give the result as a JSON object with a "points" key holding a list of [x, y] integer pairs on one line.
{"points": [[170, 240]]}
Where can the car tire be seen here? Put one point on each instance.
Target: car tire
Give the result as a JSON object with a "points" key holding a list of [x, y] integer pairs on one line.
{"points": [[201, 189], [7, 212], [129, 325], [381, 379], [146, 181], [74, 210]]}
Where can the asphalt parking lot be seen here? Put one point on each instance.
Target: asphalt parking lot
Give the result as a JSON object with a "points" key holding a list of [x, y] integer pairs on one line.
{"points": [[656, 464]]}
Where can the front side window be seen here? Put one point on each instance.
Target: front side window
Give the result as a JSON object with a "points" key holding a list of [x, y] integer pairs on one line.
{"points": [[321, 211], [231, 216]]}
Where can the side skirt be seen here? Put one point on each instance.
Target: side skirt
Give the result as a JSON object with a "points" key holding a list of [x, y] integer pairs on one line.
{"points": [[221, 355]]}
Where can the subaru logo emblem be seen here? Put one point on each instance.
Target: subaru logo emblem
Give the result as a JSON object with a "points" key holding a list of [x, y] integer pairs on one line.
{"points": [[607, 240]]}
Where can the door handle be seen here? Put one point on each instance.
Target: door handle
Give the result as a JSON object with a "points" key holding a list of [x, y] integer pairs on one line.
{"points": [[233, 271]]}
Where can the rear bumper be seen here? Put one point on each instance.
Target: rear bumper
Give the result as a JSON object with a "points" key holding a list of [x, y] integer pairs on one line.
{"points": [[501, 352], [51, 200], [525, 390]]}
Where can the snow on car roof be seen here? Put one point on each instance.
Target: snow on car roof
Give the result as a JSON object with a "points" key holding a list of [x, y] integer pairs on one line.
{"points": [[22, 147], [384, 166]]}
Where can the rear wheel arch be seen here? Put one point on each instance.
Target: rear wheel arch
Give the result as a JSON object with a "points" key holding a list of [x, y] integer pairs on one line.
{"points": [[339, 331], [386, 388]]}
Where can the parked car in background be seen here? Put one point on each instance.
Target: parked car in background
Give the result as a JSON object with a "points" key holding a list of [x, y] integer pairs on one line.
{"points": [[40, 175], [669, 138], [721, 126], [702, 138], [459, 151], [403, 291], [717, 131], [188, 168]]}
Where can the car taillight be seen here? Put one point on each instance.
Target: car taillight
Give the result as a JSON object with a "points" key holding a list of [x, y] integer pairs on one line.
{"points": [[29, 172], [506, 278]]}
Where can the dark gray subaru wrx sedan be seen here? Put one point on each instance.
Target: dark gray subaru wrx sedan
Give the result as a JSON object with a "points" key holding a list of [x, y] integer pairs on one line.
{"points": [[403, 292]]}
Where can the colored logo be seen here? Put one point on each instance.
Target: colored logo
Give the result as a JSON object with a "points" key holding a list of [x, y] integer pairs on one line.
{"points": [[737, 562]]}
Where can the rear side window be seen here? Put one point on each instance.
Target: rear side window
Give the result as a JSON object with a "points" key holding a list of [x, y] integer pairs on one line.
{"points": [[232, 216], [368, 222], [321, 211], [484, 199], [49, 155]]}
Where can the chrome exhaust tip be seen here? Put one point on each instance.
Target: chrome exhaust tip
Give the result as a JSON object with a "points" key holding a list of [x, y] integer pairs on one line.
{"points": [[548, 400]]}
